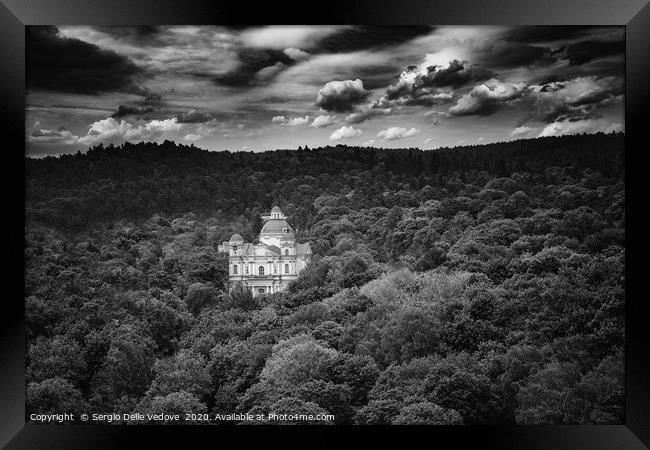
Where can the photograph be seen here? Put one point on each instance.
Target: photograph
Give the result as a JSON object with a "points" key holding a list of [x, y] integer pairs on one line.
{"points": [[325, 225]]}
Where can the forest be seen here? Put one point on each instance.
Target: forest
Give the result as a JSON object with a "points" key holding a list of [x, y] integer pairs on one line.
{"points": [[468, 285]]}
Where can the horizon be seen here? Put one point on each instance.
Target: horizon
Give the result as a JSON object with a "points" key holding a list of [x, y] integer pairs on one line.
{"points": [[261, 88], [320, 147]]}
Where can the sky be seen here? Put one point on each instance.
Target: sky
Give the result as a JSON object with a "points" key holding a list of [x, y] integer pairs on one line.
{"points": [[257, 88]]}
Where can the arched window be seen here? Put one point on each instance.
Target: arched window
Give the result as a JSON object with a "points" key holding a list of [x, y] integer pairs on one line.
{"points": [[261, 270], [286, 252], [234, 269], [286, 268], [234, 248]]}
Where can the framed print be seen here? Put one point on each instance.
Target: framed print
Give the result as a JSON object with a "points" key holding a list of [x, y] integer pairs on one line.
{"points": [[384, 219]]}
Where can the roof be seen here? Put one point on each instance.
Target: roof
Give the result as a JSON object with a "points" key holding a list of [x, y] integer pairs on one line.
{"points": [[276, 209], [236, 237], [303, 249], [275, 226], [273, 248]]}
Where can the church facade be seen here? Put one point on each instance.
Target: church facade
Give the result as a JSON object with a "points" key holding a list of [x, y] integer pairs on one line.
{"points": [[269, 265]]}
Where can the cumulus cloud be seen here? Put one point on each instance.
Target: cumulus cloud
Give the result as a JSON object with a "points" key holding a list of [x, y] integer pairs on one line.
{"points": [[345, 132], [580, 126], [296, 54], [192, 137], [341, 96], [485, 99], [578, 98], [297, 121], [111, 131], [282, 120], [429, 85], [323, 121], [394, 133]]}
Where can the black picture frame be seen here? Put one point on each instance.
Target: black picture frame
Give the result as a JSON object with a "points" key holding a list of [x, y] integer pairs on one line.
{"points": [[633, 14]]}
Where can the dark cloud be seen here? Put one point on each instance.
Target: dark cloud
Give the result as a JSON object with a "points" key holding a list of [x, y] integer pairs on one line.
{"points": [[434, 85], [140, 34], [369, 36], [580, 98], [255, 66], [131, 110], [512, 54], [342, 96], [62, 64], [586, 51], [487, 98], [457, 74], [547, 33], [195, 116], [143, 109]]}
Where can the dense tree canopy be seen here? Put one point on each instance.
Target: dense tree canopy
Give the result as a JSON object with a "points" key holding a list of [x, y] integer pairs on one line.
{"points": [[473, 285]]}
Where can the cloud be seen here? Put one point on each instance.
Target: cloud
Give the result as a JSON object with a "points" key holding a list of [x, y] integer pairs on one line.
{"points": [[284, 36], [128, 110], [194, 116], [323, 121], [394, 133], [578, 98], [580, 126], [61, 64], [192, 137], [282, 120], [586, 51], [345, 133], [296, 54], [365, 113], [111, 131], [341, 96], [62, 136], [254, 67], [429, 85], [485, 99], [297, 121], [523, 130], [510, 54]]}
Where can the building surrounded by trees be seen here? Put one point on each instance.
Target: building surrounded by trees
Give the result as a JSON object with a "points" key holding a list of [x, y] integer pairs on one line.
{"points": [[269, 265]]}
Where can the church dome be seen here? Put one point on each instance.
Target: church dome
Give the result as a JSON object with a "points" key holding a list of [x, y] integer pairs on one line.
{"points": [[276, 209], [275, 226], [236, 238]]}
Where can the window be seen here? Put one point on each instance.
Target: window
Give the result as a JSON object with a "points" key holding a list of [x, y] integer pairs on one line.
{"points": [[275, 269], [286, 268], [234, 269], [234, 248], [286, 252], [246, 270], [261, 270], [260, 290]]}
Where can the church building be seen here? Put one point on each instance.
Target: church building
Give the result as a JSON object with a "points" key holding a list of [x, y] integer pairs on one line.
{"points": [[270, 264]]}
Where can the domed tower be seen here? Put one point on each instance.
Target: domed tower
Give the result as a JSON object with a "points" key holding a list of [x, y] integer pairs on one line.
{"points": [[274, 228], [236, 242]]}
